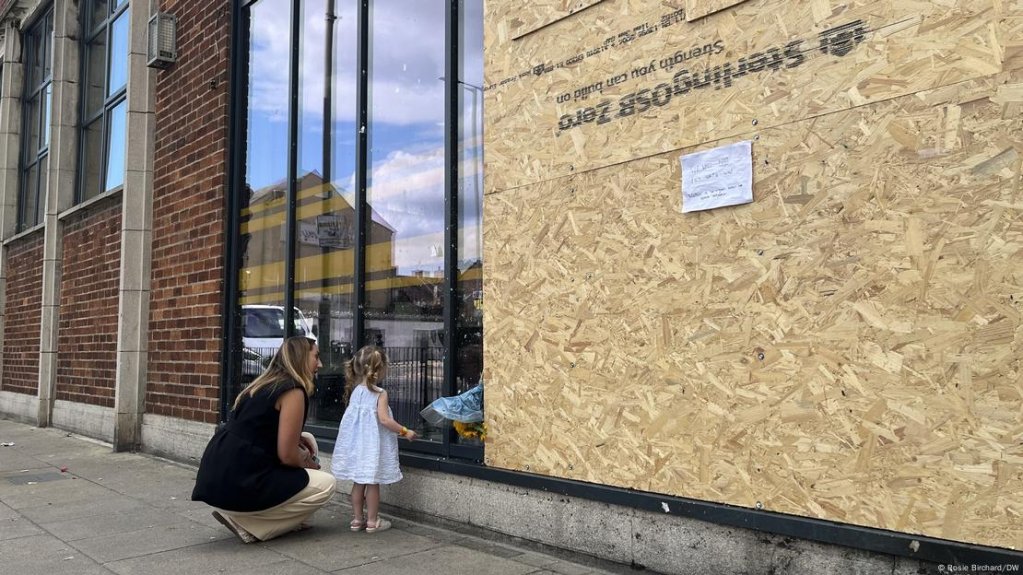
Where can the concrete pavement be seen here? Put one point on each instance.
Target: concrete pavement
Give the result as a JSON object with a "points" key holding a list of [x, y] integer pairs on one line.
{"points": [[70, 505]]}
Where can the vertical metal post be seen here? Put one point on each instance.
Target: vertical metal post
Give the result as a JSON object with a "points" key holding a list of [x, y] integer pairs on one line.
{"points": [[328, 89], [291, 222], [324, 319], [362, 209], [237, 136], [452, 90]]}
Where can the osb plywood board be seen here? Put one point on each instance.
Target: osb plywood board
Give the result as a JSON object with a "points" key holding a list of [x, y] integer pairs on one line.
{"points": [[847, 347], [696, 9], [632, 78], [527, 16]]}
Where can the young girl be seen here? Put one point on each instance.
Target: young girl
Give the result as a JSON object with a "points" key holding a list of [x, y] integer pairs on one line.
{"points": [[366, 451]]}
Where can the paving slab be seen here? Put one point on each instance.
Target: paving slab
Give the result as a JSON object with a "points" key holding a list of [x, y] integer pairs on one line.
{"points": [[131, 514], [330, 545], [46, 555], [455, 559], [149, 540], [226, 557], [140, 519], [53, 509], [17, 527], [48, 488]]}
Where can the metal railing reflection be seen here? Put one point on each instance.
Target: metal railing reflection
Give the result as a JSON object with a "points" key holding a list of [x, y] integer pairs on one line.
{"points": [[414, 379]]}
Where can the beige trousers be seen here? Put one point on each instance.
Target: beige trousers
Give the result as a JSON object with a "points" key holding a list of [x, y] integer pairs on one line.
{"points": [[289, 515]]}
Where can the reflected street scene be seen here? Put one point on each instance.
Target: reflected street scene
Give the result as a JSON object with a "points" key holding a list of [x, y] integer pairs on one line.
{"points": [[411, 251]]}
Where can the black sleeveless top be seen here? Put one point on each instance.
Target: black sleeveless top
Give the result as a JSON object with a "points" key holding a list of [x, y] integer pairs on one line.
{"points": [[240, 470]]}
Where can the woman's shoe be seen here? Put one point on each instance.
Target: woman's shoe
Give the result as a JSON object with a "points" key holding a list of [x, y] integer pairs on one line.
{"points": [[380, 525], [242, 534], [357, 525]]}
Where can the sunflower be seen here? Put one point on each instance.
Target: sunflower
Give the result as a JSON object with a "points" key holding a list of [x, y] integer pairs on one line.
{"points": [[476, 430]]}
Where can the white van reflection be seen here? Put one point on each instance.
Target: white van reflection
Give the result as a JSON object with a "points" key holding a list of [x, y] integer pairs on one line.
{"points": [[263, 334]]}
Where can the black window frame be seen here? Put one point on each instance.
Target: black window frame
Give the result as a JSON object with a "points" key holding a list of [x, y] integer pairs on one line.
{"points": [[33, 96], [90, 32]]}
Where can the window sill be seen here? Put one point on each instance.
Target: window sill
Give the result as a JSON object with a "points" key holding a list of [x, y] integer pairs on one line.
{"points": [[89, 203], [24, 234]]}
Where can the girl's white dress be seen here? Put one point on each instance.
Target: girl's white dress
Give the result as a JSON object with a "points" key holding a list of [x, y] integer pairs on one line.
{"points": [[365, 452]]}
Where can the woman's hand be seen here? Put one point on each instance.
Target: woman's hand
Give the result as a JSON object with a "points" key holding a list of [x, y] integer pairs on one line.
{"points": [[309, 461], [308, 442]]}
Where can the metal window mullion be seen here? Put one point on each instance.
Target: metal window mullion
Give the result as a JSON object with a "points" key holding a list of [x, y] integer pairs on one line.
{"points": [[96, 33], [40, 109], [237, 136], [107, 118], [107, 55], [97, 116], [83, 180], [25, 166], [451, 152], [37, 91], [117, 12], [361, 174], [40, 196], [85, 50], [104, 158], [290, 223]]}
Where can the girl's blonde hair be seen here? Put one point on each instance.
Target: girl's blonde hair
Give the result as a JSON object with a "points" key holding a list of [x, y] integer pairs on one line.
{"points": [[291, 362], [367, 365]]}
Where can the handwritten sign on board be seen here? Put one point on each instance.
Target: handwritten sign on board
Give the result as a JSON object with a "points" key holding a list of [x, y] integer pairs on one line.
{"points": [[718, 177]]}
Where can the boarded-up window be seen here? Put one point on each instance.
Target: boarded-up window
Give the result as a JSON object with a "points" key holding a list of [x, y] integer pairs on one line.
{"points": [[696, 9], [532, 15]]}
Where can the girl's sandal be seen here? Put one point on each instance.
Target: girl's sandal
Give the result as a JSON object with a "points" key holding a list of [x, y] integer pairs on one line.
{"points": [[381, 525], [357, 525]]}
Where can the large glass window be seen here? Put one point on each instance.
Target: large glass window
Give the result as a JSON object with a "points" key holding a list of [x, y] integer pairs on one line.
{"points": [[325, 234], [347, 120], [104, 86], [469, 317], [262, 218], [38, 50], [405, 273]]}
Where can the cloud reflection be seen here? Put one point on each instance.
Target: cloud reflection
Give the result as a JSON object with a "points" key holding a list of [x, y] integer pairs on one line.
{"points": [[407, 58]]}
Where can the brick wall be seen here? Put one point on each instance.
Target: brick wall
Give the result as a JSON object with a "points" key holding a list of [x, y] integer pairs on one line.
{"points": [[87, 339], [22, 315], [188, 216]]}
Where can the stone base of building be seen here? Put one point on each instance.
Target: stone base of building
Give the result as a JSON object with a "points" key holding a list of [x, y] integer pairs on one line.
{"points": [[19, 407], [642, 539], [84, 419], [176, 439]]}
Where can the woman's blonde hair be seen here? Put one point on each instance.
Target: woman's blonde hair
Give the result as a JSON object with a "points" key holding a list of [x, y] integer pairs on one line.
{"points": [[291, 362], [367, 365]]}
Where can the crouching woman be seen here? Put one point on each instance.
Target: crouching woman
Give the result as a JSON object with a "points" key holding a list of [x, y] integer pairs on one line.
{"points": [[260, 471]]}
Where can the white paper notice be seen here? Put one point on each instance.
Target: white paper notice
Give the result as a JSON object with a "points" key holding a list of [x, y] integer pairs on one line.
{"points": [[719, 177]]}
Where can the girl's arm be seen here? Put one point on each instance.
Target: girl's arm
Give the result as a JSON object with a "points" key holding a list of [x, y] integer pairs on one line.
{"points": [[289, 431], [384, 416]]}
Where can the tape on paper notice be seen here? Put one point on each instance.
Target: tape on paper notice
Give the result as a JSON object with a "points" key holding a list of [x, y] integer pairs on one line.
{"points": [[717, 177]]}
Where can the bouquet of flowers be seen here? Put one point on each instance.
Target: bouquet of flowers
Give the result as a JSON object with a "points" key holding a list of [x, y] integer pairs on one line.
{"points": [[474, 430], [464, 410]]}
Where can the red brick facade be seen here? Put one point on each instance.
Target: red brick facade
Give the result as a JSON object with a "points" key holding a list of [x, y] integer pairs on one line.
{"points": [[90, 278], [22, 314], [189, 216]]}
